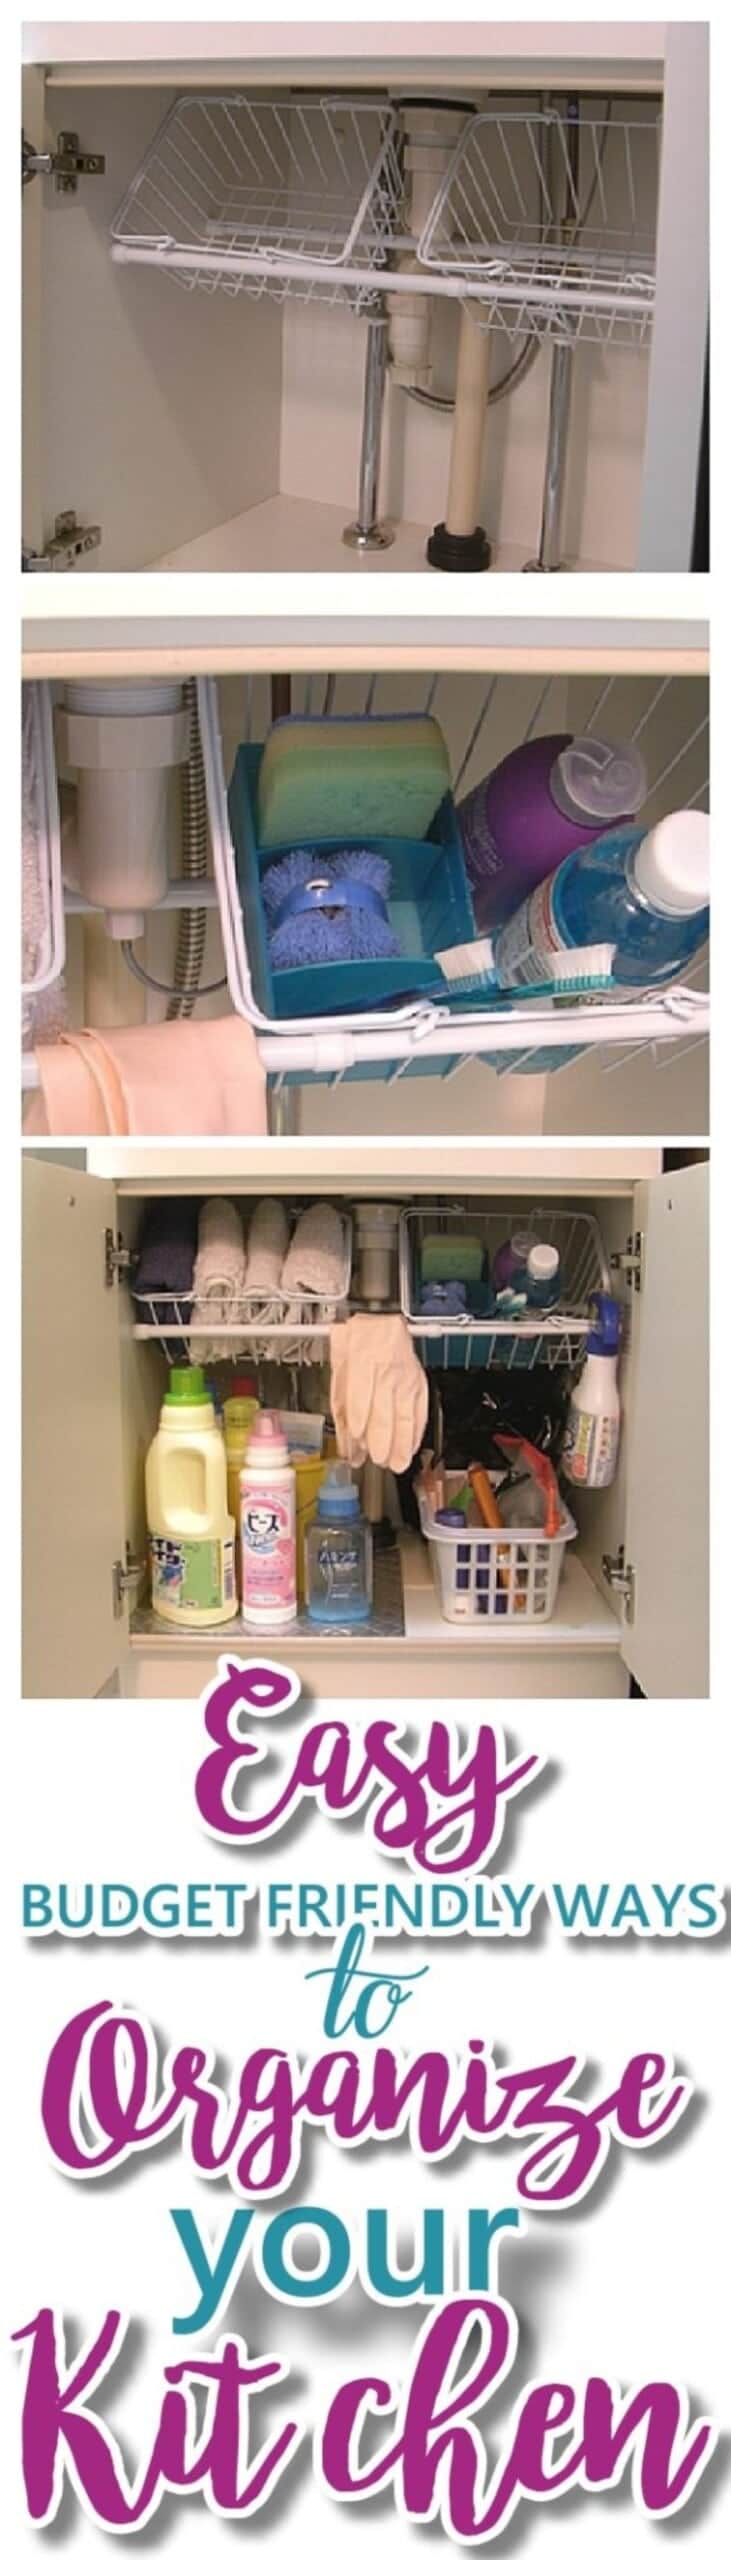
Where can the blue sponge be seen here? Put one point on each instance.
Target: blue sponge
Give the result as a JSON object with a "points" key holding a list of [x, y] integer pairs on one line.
{"points": [[329, 906]]}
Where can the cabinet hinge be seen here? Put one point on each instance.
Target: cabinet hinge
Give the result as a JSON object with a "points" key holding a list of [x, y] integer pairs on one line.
{"points": [[117, 1258], [125, 1579], [622, 1579], [68, 543], [632, 1262], [66, 165]]}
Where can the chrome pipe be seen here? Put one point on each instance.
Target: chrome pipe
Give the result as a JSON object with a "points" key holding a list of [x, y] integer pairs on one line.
{"points": [[367, 534]]}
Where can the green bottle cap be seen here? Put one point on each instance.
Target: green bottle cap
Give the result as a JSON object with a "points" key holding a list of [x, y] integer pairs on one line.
{"points": [[187, 1386]]}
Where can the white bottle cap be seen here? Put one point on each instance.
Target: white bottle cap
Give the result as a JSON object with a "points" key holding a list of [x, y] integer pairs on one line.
{"points": [[672, 864], [108, 701], [592, 779], [542, 1262]]}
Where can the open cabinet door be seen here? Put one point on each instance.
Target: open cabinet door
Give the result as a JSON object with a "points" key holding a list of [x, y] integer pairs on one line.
{"points": [[667, 1514], [73, 1516], [33, 92]]}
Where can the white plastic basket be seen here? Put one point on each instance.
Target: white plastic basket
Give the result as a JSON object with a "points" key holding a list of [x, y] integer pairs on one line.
{"points": [[494, 1574]]}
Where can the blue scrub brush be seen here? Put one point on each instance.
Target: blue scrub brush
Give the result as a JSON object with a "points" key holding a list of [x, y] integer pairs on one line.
{"points": [[332, 906]]}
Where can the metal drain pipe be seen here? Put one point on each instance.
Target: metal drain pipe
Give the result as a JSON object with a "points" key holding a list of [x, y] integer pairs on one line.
{"points": [[562, 377], [367, 533]]}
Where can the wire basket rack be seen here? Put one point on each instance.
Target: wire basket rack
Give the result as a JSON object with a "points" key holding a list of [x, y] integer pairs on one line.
{"points": [[268, 196], [585, 272], [272, 1325], [491, 713], [556, 1338]]}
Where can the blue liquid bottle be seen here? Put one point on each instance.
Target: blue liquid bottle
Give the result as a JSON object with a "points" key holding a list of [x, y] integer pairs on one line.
{"points": [[645, 891]]}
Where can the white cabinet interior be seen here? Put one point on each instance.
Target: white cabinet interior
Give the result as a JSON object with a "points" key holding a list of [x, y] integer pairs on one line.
{"points": [[102, 1397], [222, 428]]}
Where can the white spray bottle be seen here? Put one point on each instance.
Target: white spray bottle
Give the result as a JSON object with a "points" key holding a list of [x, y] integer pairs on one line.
{"points": [[591, 1440]]}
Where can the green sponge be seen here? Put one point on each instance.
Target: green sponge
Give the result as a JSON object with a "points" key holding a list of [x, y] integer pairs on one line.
{"points": [[349, 781], [452, 1257]]}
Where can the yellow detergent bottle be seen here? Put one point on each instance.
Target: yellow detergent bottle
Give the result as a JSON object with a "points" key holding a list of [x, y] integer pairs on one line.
{"points": [[239, 1416], [190, 1529]]}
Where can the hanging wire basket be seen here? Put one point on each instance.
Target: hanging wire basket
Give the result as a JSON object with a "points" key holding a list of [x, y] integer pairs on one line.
{"points": [[586, 272], [267, 196], [555, 1338]]}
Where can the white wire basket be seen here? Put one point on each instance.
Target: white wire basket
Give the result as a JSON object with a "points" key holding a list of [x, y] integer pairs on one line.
{"points": [[555, 1338], [285, 1327], [501, 1575], [586, 272], [483, 716], [43, 927], [431, 1037], [257, 195]]}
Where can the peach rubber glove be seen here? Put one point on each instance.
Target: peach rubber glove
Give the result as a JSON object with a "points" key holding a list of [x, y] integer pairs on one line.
{"points": [[379, 1391]]}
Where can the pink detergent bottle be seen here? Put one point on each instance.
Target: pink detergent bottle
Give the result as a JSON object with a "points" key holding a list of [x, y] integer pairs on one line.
{"points": [[546, 799], [268, 1527]]}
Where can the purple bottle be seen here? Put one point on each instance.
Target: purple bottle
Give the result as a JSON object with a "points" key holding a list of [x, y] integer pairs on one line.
{"points": [[547, 798]]}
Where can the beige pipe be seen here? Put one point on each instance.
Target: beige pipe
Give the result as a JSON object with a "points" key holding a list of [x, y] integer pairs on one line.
{"points": [[468, 428]]}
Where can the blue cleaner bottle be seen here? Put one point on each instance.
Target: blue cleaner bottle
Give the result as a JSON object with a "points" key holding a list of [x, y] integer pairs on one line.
{"points": [[339, 1555], [646, 892]]}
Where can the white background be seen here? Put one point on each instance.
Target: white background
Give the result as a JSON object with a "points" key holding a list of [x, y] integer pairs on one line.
{"points": [[628, 2285]]}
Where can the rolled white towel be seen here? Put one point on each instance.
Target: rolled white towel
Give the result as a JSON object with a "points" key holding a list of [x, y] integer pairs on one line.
{"points": [[317, 1261], [219, 1274], [268, 1240]]}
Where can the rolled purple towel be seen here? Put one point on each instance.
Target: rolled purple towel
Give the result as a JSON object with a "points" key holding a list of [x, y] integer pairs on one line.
{"points": [[167, 1249]]}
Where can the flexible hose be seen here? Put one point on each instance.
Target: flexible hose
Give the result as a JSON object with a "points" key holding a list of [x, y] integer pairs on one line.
{"points": [[191, 941], [498, 390], [160, 986]]}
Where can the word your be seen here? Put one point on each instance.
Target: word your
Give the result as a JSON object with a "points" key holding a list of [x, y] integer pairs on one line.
{"points": [[428, 2452], [442, 1809], [366, 2251], [107, 2096]]}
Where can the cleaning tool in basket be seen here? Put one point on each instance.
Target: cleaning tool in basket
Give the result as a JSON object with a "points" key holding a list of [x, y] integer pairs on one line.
{"points": [[267, 1246], [325, 907], [544, 800], [469, 966], [316, 1265], [591, 1443], [443, 1298], [220, 1273], [330, 780], [647, 891], [379, 1391], [537, 1506], [452, 1256]]}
